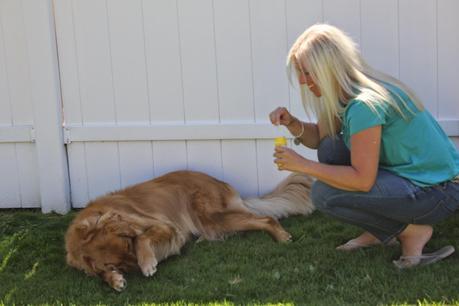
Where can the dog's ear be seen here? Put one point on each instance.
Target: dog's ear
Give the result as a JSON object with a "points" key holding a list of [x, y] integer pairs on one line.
{"points": [[122, 228], [107, 217], [85, 228], [84, 232]]}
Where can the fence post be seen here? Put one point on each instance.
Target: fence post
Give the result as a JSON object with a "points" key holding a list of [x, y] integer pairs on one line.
{"points": [[47, 106]]}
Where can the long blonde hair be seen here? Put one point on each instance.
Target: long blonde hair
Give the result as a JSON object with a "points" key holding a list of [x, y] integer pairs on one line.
{"points": [[335, 65]]}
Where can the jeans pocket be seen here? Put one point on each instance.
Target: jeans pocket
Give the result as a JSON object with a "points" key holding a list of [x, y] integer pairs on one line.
{"points": [[439, 213]]}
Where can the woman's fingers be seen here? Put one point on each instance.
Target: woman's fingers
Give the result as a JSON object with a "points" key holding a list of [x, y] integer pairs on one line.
{"points": [[272, 117], [279, 149], [279, 113], [279, 116], [283, 113]]}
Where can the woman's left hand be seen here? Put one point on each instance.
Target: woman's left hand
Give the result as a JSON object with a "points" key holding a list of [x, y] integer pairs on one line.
{"points": [[288, 159]]}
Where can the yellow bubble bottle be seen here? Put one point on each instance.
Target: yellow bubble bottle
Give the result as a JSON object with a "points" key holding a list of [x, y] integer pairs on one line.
{"points": [[280, 141]]}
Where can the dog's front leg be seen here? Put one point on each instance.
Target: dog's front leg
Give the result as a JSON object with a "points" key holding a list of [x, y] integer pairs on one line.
{"points": [[115, 279], [146, 258]]}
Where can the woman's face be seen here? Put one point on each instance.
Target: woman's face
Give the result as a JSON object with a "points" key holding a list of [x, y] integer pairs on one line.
{"points": [[306, 79]]}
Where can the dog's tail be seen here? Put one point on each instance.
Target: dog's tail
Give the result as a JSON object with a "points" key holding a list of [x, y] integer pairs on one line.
{"points": [[290, 197]]}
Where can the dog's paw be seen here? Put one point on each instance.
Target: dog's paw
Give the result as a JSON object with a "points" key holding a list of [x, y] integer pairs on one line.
{"points": [[148, 267], [284, 237], [117, 281], [149, 271]]}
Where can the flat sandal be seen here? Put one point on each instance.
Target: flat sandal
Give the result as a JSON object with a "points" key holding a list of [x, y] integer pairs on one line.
{"points": [[352, 245], [405, 262]]}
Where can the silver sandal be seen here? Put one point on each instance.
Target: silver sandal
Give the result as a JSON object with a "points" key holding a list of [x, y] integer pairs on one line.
{"points": [[405, 262], [352, 245]]}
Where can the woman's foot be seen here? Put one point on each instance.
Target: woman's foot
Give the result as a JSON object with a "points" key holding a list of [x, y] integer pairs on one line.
{"points": [[405, 262], [413, 240], [363, 241]]}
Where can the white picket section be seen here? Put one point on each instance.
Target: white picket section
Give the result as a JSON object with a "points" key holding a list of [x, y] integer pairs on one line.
{"points": [[447, 60], [16, 61], [146, 87], [5, 101], [205, 156], [379, 42], [345, 14], [234, 61], [169, 156], [28, 176], [19, 174], [46, 105], [10, 193], [136, 162], [78, 166], [418, 50], [163, 61], [240, 165]]}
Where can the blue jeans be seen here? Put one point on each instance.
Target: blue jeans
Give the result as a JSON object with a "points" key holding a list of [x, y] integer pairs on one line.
{"points": [[392, 203]]}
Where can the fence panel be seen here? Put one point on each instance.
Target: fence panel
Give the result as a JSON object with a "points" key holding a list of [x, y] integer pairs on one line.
{"points": [[418, 69], [19, 182], [152, 86], [447, 60]]}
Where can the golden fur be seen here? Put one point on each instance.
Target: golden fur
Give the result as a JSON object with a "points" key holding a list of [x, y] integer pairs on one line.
{"points": [[137, 227]]}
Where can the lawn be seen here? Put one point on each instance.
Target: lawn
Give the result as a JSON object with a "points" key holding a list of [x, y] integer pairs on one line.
{"points": [[247, 268]]}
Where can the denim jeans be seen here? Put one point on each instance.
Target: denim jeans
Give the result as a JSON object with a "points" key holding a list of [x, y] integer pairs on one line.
{"points": [[391, 204]]}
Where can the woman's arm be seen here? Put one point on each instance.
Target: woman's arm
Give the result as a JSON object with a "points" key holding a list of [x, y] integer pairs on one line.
{"points": [[360, 176], [313, 133]]}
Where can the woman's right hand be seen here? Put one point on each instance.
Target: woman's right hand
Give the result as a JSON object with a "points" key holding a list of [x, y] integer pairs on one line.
{"points": [[281, 116]]}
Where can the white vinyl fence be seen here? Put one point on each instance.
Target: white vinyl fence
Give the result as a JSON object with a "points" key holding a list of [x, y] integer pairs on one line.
{"points": [[96, 95]]}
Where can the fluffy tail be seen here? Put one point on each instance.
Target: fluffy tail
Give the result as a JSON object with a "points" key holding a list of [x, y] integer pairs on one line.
{"points": [[290, 197]]}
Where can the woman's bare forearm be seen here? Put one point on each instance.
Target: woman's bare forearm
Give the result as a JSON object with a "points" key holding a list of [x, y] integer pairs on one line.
{"points": [[341, 177], [311, 135]]}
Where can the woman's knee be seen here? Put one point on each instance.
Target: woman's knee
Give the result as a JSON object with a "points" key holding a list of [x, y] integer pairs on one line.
{"points": [[320, 193]]}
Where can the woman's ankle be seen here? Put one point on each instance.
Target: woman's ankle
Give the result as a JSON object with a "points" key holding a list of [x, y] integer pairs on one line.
{"points": [[414, 238]]}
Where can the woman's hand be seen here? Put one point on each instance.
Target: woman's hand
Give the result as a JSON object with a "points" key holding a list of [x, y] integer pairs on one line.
{"points": [[287, 159], [281, 116]]}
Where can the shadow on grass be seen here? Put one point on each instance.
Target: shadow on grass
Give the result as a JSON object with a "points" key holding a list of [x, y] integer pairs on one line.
{"points": [[246, 268]]}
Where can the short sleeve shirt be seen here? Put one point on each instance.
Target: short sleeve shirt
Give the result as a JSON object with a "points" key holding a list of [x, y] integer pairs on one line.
{"points": [[414, 147]]}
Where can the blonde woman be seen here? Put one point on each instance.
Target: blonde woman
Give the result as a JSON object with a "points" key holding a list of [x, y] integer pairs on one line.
{"points": [[385, 164]]}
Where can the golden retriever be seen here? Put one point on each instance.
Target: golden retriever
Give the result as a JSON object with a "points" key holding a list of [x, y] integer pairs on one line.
{"points": [[141, 225]]}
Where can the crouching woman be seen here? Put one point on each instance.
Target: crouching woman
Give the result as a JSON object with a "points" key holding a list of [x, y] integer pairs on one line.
{"points": [[385, 164]]}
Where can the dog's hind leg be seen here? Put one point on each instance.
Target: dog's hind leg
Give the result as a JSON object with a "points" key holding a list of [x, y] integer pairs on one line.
{"points": [[235, 221]]}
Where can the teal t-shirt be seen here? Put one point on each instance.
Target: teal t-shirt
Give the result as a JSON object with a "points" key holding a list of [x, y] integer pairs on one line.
{"points": [[415, 148]]}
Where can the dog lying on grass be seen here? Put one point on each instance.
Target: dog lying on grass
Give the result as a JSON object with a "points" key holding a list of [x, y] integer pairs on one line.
{"points": [[137, 227]]}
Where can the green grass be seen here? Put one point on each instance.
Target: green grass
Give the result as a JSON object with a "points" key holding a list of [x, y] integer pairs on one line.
{"points": [[247, 268]]}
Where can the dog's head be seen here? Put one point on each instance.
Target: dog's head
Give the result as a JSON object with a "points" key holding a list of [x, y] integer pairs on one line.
{"points": [[101, 243]]}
